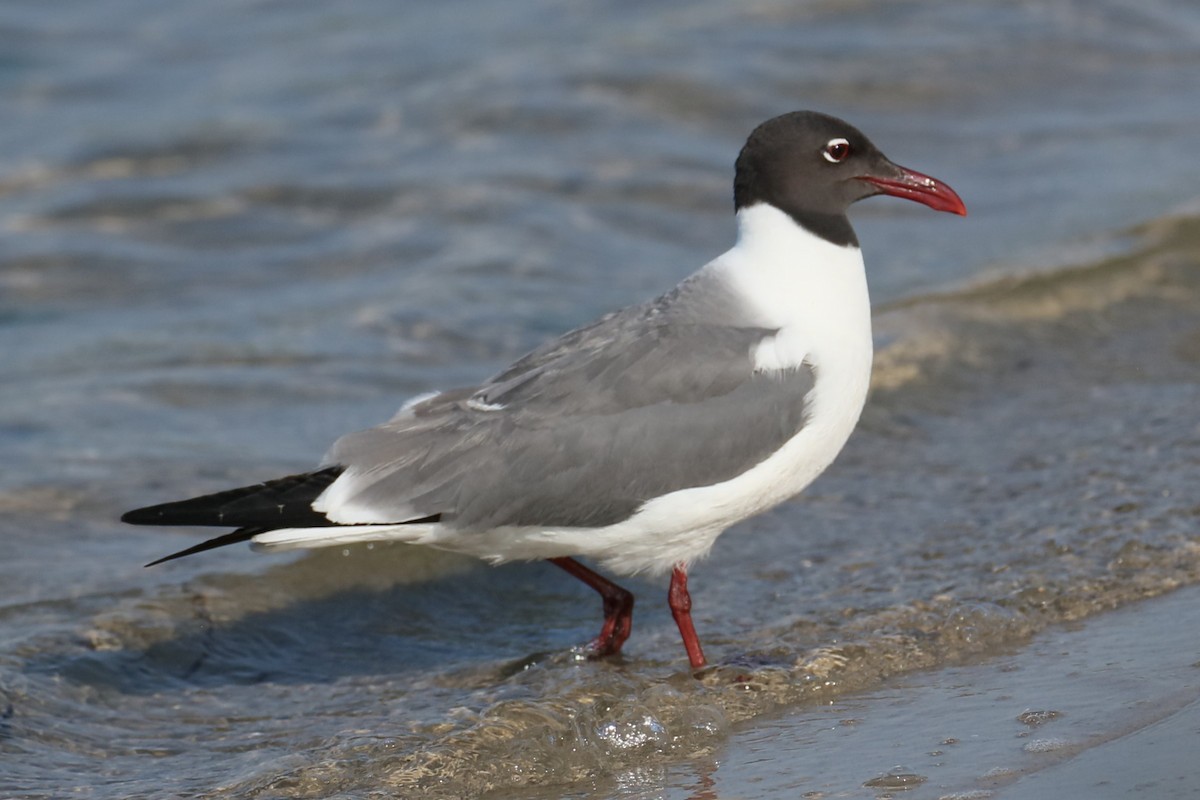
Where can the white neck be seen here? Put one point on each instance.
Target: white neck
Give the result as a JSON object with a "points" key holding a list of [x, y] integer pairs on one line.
{"points": [[791, 277]]}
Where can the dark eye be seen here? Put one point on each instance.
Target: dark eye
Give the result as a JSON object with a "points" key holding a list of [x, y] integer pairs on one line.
{"points": [[836, 150]]}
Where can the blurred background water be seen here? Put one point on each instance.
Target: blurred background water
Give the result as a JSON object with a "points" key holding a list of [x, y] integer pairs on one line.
{"points": [[232, 231]]}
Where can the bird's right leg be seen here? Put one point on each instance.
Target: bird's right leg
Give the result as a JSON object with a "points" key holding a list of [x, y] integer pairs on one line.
{"points": [[680, 602], [618, 607]]}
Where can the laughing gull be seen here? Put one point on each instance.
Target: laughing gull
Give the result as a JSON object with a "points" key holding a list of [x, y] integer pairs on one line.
{"points": [[636, 440]]}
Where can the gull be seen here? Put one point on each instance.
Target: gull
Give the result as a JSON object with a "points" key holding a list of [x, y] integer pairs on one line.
{"points": [[636, 440]]}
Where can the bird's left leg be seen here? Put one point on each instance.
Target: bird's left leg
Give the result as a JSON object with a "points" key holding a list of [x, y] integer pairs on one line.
{"points": [[618, 607]]}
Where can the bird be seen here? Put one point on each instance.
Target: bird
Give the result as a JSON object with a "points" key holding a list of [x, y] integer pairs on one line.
{"points": [[632, 442]]}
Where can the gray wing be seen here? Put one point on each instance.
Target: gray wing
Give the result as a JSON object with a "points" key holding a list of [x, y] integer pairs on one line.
{"points": [[582, 431]]}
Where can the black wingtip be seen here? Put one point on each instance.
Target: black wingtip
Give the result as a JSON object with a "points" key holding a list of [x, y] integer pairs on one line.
{"points": [[240, 535], [139, 516], [284, 502], [171, 557]]}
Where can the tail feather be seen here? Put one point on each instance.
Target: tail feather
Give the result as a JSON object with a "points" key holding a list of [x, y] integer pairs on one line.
{"points": [[286, 502]]}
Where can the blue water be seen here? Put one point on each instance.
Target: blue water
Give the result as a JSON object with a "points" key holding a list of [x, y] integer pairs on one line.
{"points": [[231, 231]]}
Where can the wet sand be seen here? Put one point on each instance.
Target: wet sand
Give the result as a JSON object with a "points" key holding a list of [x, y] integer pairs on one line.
{"points": [[1104, 709]]}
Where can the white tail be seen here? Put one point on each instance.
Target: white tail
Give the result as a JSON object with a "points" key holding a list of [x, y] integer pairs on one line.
{"points": [[303, 538]]}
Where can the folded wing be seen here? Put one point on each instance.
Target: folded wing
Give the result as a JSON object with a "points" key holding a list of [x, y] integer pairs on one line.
{"points": [[579, 433]]}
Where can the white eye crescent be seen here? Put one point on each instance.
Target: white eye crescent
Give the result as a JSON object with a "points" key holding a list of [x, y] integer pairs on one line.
{"points": [[836, 151]]}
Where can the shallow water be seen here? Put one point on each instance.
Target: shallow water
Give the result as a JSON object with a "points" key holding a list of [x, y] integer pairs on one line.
{"points": [[234, 231]]}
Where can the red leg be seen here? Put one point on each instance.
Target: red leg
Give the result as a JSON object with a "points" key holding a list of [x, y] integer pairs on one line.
{"points": [[618, 607], [681, 608]]}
